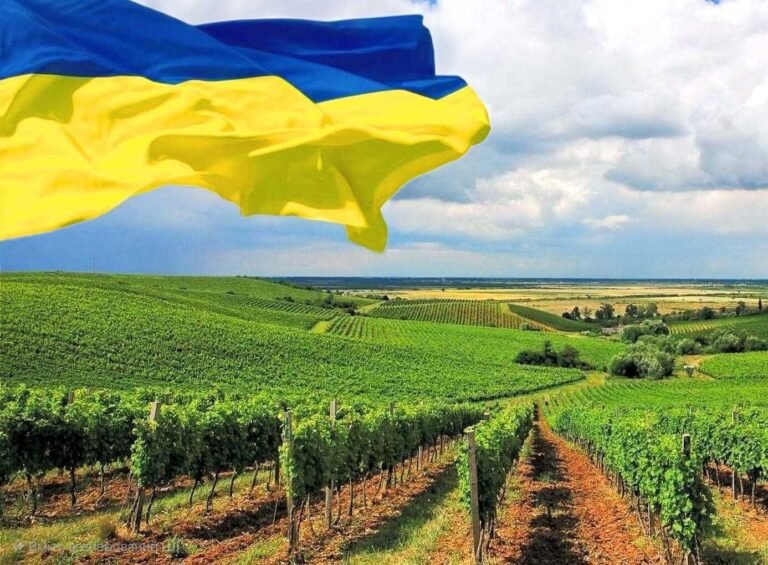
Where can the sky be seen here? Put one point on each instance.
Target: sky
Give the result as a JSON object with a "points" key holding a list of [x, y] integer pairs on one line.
{"points": [[629, 139]]}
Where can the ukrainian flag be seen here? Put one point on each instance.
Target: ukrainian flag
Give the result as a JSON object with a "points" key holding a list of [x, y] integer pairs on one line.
{"points": [[101, 100]]}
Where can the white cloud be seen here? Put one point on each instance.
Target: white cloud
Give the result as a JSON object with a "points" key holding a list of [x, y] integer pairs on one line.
{"points": [[611, 223], [722, 212]]}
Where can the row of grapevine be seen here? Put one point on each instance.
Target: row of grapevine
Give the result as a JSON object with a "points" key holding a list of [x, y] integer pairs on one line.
{"points": [[737, 438], [737, 366], [318, 452], [756, 324], [469, 312], [352, 326], [204, 436], [200, 440], [487, 459], [197, 435], [649, 466], [40, 432]]}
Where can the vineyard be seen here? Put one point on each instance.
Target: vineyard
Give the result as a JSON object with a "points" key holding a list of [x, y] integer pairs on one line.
{"points": [[756, 325], [665, 445], [468, 342], [549, 320], [469, 312], [739, 366], [73, 335], [240, 420]]}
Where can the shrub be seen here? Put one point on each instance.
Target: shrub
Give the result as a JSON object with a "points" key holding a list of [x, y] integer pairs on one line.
{"points": [[106, 529], [687, 346], [648, 327], [727, 343], [548, 357], [665, 343], [642, 360], [752, 343], [728, 340]]}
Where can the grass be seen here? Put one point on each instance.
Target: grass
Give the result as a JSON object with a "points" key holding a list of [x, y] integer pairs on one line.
{"points": [[413, 536], [731, 541], [261, 550]]}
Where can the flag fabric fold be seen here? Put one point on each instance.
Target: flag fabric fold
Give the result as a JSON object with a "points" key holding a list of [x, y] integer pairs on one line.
{"points": [[101, 100]]}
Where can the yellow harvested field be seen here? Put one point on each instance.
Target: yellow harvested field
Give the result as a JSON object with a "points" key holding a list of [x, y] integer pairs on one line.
{"points": [[558, 298]]}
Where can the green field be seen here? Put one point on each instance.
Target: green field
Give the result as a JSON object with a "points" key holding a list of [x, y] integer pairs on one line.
{"points": [[446, 311], [552, 321], [737, 366], [236, 334], [469, 342], [756, 325]]}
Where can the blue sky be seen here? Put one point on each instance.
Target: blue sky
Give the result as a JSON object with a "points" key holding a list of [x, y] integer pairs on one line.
{"points": [[609, 156]]}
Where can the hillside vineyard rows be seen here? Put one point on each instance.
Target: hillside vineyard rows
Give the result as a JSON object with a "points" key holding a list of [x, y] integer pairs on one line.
{"points": [[167, 386], [89, 336], [469, 312], [634, 431], [755, 325]]}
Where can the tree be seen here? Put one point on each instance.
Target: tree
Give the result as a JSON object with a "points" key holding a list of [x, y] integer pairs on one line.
{"points": [[576, 313], [759, 304], [587, 313], [651, 310], [605, 312], [632, 311], [706, 313], [741, 308]]}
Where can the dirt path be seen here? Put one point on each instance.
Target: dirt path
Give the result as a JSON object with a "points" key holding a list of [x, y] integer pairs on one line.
{"points": [[565, 512]]}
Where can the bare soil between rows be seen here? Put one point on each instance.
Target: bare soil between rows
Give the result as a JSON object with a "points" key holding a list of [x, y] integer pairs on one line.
{"points": [[566, 512]]}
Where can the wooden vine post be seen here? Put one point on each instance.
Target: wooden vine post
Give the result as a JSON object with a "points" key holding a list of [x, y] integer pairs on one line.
{"points": [[391, 471], [474, 497], [154, 411], [735, 419], [138, 505], [293, 529], [329, 488], [686, 446]]}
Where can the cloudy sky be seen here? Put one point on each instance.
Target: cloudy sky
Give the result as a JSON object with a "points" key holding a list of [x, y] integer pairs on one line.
{"points": [[630, 139]]}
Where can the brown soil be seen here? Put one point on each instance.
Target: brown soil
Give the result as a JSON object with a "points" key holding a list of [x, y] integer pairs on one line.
{"points": [[567, 513]]}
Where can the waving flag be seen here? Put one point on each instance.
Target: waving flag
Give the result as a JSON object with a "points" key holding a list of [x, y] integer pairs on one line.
{"points": [[101, 100]]}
